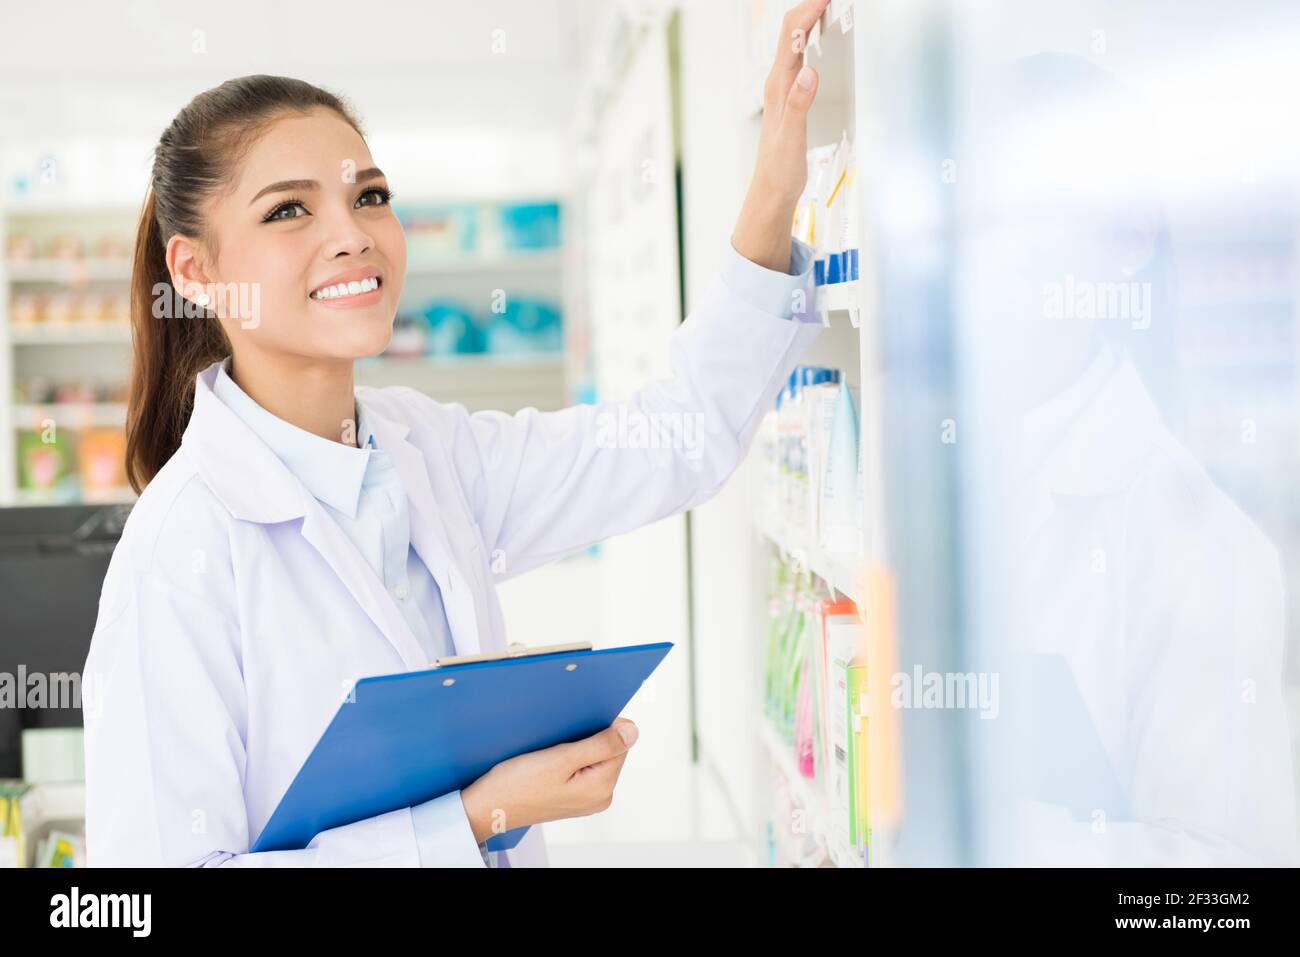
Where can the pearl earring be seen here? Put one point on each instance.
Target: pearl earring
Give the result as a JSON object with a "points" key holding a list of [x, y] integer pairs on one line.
{"points": [[204, 299]]}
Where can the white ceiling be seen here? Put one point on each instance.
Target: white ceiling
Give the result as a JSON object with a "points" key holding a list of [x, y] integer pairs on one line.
{"points": [[130, 65], [95, 84]]}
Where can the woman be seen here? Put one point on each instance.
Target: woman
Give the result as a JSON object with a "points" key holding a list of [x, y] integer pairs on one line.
{"points": [[295, 534]]}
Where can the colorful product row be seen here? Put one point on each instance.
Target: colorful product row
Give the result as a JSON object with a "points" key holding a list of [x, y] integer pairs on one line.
{"points": [[811, 462], [34, 309], [828, 216], [816, 697], [449, 327], [38, 390], [478, 229], [71, 462]]}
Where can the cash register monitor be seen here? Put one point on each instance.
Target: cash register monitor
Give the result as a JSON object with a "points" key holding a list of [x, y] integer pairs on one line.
{"points": [[52, 565]]}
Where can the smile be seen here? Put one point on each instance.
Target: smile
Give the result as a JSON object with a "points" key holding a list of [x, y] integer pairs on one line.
{"points": [[347, 290]]}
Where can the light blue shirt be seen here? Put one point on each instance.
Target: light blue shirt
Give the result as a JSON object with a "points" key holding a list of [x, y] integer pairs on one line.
{"points": [[362, 491]]}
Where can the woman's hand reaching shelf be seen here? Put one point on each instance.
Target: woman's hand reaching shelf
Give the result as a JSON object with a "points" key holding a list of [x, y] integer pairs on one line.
{"points": [[762, 233]]}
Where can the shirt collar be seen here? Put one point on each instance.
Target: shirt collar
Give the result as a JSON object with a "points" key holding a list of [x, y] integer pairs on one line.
{"points": [[331, 471]]}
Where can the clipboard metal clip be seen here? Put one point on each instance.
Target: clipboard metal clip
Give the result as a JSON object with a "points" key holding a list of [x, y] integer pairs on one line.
{"points": [[512, 650]]}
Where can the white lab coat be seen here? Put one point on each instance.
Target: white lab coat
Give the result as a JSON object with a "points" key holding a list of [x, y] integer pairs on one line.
{"points": [[236, 614], [1166, 601]]}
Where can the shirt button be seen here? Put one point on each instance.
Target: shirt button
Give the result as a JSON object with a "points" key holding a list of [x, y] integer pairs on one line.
{"points": [[399, 591]]}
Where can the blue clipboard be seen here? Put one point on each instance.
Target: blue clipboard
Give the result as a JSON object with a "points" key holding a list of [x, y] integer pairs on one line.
{"points": [[400, 740]]}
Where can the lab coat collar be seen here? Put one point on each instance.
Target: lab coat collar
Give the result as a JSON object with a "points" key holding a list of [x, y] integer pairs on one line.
{"points": [[228, 455], [227, 452], [1100, 452], [331, 471]]}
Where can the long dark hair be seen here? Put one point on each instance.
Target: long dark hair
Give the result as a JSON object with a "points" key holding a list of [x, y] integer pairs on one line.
{"points": [[196, 157]]}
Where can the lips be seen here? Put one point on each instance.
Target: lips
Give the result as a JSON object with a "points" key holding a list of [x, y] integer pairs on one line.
{"points": [[352, 275]]}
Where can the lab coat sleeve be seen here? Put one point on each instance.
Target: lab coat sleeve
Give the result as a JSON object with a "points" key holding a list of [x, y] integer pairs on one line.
{"points": [[547, 484], [444, 836], [780, 293], [165, 746]]}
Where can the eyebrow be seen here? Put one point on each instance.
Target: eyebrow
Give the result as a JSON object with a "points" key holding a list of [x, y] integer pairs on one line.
{"points": [[296, 184]]}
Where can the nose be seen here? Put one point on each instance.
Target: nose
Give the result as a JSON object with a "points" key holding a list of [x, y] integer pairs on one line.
{"points": [[346, 237]]}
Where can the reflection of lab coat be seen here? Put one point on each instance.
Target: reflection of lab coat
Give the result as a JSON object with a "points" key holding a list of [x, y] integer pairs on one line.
{"points": [[236, 614], [1167, 603]]}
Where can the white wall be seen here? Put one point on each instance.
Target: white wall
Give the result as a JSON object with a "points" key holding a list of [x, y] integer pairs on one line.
{"points": [[719, 137]]}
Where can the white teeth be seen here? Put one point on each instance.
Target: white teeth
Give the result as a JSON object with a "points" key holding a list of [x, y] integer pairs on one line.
{"points": [[354, 288]]}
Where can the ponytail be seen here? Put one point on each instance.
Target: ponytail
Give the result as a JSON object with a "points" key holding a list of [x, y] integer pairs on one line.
{"points": [[167, 354], [195, 158]]}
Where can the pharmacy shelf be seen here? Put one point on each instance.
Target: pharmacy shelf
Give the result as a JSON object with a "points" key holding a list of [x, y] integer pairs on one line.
{"points": [[808, 797], [507, 263], [479, 360], [837, 570], [845, 297], [70, 334], [68, 271], [91, 350], [845, 57], [55, 801], [71, 414], [477, 381]]}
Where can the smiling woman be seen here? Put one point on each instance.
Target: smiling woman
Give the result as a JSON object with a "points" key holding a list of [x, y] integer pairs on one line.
{"points": [[296, 534], [221, 214]]}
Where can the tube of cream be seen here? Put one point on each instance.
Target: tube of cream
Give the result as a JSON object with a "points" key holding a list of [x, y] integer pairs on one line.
{"points": [[840, 530]]}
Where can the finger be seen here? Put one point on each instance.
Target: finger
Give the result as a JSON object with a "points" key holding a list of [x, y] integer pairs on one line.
{"points": [[801, 95], [795, 26], [601, 776], [601, 745], [609, 769]]}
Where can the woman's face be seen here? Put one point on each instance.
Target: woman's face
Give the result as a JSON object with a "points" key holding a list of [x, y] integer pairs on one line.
{"points": [[282, 241]]}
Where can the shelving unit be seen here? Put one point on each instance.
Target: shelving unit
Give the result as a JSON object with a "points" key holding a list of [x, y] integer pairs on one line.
{"points": [[93, 350], [817, 809], [841, 297], [838, 51], [544, 261], [71, 334], [842, 53], [78, 413], [837, 571]]}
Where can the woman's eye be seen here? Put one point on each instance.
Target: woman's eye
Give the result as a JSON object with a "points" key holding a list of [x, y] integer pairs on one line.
{"points": [[382, 195], [275, 213]]}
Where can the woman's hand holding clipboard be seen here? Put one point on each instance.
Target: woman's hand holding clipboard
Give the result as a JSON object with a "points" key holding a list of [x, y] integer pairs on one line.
{"points": [[565, 780]]}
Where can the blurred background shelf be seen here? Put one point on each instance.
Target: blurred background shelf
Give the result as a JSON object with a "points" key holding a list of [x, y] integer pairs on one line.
{"points": [[70, 334], [68, 271], [74, 414], [507, 265]]}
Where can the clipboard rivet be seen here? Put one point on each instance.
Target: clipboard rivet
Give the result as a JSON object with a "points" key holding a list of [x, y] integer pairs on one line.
{"points": [[448, 682], [570, 667]]}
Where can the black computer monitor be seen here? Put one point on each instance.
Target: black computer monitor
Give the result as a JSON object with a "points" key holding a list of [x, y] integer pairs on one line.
{"points": [[52, 565]]}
